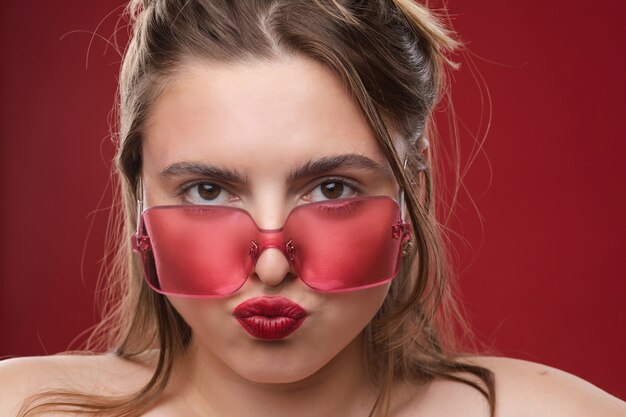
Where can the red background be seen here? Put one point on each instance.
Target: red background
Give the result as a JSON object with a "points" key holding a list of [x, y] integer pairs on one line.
{"points": [[543, 275]]}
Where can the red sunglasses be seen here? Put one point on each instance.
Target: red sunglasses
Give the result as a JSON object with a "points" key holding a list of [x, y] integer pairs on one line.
{"points": [[209, 250]]}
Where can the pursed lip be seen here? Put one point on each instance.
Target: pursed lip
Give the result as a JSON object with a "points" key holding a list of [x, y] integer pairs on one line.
{"points": [[270, 318]]}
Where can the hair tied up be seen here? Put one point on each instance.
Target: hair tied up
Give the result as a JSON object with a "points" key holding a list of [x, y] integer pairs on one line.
{"points": [[428, 27], [136, 7]]}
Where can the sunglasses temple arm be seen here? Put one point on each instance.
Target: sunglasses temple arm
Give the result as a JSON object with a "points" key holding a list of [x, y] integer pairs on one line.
{"points": [[402, 206], [139, 203]]}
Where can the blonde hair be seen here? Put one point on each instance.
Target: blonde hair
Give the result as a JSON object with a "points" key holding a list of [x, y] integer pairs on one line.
{"points": [[392, 55]]}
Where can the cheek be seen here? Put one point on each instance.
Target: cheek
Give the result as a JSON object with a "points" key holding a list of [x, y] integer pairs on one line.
{"points": [[348, 313], [216, 336], [208, 318]]}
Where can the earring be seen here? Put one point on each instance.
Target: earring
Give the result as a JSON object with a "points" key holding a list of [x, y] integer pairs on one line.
{"points": [[407, 247]]}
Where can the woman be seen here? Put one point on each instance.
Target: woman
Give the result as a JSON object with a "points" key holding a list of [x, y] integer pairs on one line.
{"points": [[277, 181]]}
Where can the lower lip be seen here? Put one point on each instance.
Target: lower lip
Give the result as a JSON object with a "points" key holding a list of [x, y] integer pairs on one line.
{"points": [[270, 328]]}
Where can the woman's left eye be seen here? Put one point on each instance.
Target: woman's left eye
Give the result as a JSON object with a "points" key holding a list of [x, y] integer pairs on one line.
{"points": [[332, 190]]}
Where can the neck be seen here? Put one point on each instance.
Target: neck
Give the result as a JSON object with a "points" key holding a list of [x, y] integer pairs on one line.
{"points": [[340, 388]]}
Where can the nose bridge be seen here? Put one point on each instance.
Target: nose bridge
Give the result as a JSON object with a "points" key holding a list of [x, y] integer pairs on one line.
{"points": [[270, 210], [270, 239], [269, 215]]}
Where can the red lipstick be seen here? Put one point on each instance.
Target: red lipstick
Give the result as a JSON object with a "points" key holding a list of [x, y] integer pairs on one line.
{"points": [[270, 318]]}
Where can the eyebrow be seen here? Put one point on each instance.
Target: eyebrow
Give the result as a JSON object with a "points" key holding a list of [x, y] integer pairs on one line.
{"points": [[197, 168], [330, 163], [309, 169]]}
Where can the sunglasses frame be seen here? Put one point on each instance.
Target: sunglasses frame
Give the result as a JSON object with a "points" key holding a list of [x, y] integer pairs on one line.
{"points": [[142, 246]]}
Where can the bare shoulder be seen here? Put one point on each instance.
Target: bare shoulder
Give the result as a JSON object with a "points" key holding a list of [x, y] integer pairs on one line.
{"points": [[98, 374], [526, 388], [523, 389], [439, 398]]}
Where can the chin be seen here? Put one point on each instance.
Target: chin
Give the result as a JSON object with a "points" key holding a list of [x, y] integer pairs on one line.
{"points": [[282, 376], [271, 370]]}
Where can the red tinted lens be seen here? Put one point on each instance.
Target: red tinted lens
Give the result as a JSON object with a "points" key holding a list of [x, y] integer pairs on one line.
{"points": [[199, 250], [205, 251], [345, 244]]}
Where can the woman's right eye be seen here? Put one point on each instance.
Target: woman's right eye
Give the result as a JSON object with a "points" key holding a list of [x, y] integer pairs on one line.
{"points": [[206, 193]]}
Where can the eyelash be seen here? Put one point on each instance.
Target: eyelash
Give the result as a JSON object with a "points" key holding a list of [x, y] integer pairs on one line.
{"points": [[335, 208]]}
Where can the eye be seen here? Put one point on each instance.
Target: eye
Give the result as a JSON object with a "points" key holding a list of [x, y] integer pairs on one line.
{"points": [[332, 190], [206, 193]]}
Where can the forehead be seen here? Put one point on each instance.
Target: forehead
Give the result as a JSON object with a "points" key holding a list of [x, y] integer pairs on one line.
{"points": [[255, 116]]}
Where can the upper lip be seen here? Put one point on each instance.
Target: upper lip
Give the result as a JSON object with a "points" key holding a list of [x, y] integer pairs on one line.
{"points": [[269, 307]]}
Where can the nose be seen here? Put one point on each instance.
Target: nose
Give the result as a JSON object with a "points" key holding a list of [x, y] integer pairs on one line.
{"points": [[272, 267]]}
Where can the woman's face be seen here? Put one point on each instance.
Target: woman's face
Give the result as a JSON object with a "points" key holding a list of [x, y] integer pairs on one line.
{"points": [[243, 135]]}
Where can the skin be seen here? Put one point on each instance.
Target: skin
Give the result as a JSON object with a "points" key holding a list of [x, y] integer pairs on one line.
{"points": [[264, 121]]}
